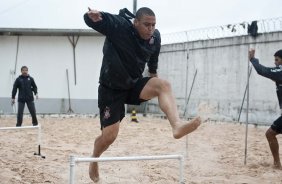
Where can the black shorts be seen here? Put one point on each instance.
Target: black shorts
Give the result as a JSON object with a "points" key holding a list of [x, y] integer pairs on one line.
{"points": [[111, 101], [277, 125]]}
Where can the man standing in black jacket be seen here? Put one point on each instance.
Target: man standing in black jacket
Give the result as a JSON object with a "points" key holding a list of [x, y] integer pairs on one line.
{"points": [[128, 47], [27, 87], [275, 74]]}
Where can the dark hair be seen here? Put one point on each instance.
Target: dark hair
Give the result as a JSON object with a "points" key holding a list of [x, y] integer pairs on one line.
{"points": [[278, 53], [24, 67], [144, 11]]}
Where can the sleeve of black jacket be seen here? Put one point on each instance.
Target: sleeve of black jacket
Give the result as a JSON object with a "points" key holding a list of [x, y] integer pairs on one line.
{"points": [[273, 73], [34, 87], [153, 62], [15, 88], [108, 26]]}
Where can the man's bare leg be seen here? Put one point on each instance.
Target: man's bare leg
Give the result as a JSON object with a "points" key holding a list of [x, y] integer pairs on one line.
{"points": [[160, 88], [274, 147], [101, 144]]}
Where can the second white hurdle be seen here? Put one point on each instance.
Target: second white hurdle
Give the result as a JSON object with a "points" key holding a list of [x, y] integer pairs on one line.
{"points": [[74, 159], [29, 127]]}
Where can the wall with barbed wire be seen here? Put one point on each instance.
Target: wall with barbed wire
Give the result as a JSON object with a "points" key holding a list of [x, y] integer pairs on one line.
{"points": [[230, 30]]}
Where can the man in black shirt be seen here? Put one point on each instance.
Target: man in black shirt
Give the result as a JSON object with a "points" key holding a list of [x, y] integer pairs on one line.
{"points": [[275, 74], [128, 47], [27, 87]]}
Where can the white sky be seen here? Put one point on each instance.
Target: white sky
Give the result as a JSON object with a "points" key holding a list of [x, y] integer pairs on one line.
{"points": [[172, 16]]}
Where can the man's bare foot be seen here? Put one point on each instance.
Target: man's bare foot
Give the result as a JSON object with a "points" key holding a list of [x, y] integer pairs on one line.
{"points": [[184, 129], [93, 172]]}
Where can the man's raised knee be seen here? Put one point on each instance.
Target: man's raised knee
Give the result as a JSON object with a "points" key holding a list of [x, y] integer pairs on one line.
{"points": [[165, 85]]}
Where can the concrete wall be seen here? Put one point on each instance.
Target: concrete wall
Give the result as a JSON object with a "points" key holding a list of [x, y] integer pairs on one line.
{"points": [[221, 79], [48, 57]]}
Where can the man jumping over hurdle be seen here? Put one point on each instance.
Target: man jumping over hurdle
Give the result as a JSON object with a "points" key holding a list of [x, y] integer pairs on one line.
{"points": [[275, 74], [128, 47]]}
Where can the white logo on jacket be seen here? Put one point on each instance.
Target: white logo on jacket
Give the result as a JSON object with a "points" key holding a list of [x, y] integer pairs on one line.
{"points": [[277, 69]]}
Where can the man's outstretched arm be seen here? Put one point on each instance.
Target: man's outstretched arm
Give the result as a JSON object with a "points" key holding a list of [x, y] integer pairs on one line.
{"points": [[273, 73], [103, 22]]}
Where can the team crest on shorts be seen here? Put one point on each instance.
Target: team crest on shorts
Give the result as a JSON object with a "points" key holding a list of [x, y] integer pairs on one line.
{"points": [[107, 113]]}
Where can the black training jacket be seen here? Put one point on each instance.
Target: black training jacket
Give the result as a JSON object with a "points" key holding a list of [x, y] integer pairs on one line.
{"points": [[125, 53], [26, 86], [273, 73]]}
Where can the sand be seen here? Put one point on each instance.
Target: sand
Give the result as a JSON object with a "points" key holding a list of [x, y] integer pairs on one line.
{"points": [[215, 153]]}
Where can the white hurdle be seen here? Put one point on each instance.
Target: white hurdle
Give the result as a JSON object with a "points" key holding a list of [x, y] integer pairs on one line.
{"points": [[74, 159], [29, 127]]}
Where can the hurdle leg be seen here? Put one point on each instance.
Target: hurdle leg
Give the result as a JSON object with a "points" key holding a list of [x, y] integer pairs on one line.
{"points": [[181, 170], [39, 142], [72, 169]]}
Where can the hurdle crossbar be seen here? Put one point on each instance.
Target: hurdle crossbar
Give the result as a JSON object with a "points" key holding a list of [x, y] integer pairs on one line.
{"points": [[15, 128], [74, 159], [29, 127]]}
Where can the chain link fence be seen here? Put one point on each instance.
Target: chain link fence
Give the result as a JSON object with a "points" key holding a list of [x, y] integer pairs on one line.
{"points": [[230, 30]]}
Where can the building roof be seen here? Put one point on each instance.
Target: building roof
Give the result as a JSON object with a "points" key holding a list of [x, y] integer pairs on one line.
{"points": [[47, 32]]}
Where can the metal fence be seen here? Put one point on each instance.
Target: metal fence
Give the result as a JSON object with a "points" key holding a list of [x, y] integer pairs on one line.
{"points": [[230, 30]]}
